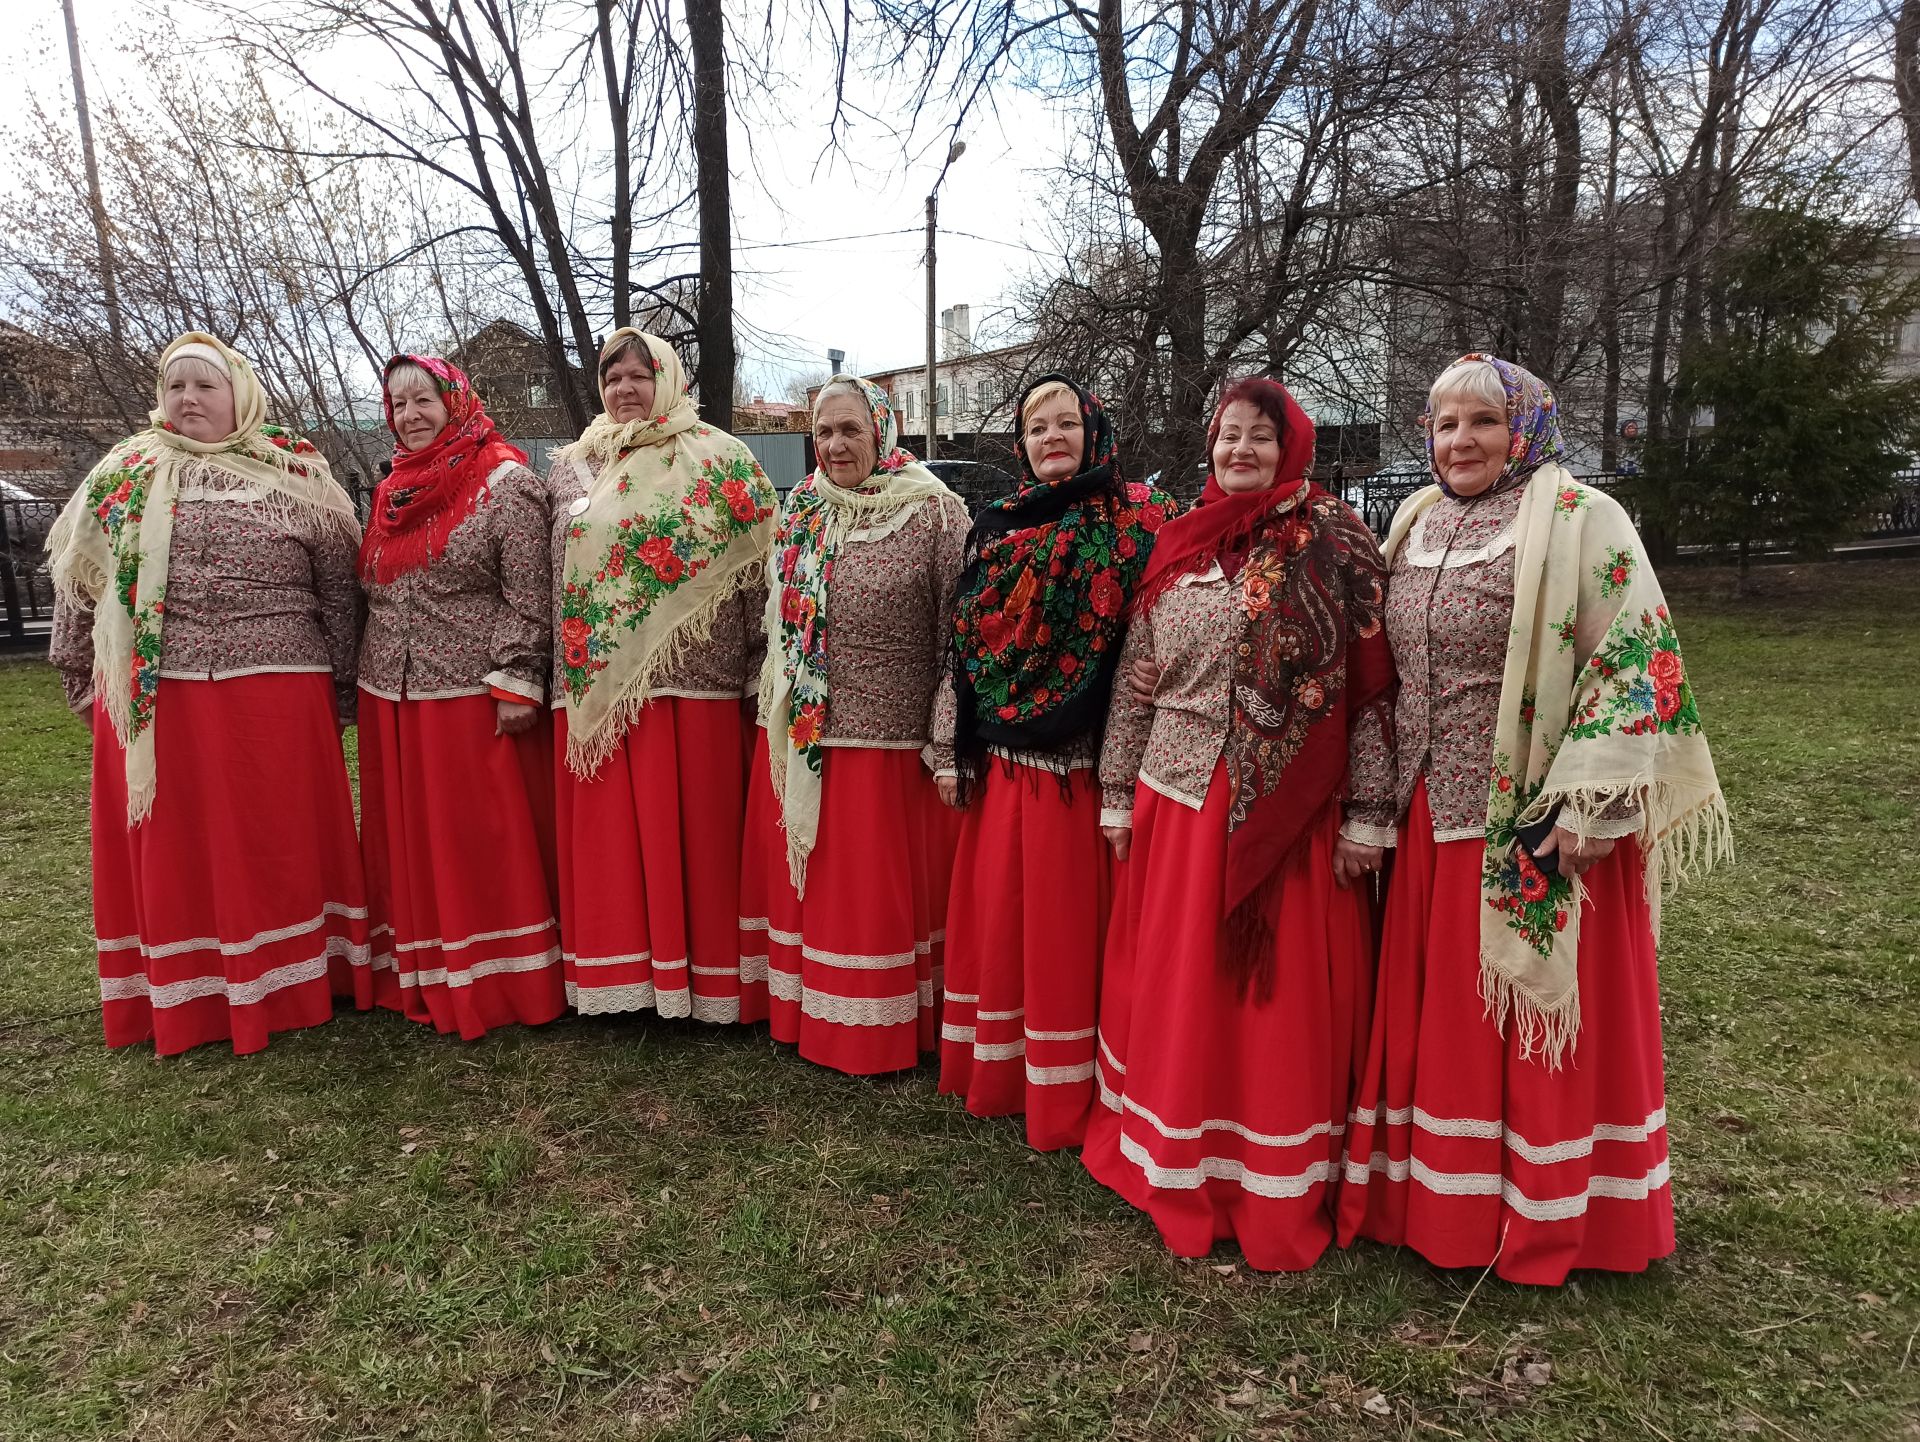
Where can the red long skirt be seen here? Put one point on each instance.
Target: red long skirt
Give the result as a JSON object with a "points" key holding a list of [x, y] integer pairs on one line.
{"points": [[237, 908], [1466, 1153], [650, 864], [1026, 919], [456, 825], [1219, 1116], [851, 973]]}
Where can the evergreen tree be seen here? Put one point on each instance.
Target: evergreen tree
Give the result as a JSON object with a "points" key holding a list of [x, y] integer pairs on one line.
{"points": [[1802, 425]]}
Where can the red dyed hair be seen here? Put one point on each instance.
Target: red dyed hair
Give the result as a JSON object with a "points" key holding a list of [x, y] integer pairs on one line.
{"points": [[1267, 396]]}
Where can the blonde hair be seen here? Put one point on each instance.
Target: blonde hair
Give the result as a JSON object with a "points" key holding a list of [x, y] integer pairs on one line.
{"points": [[1052, 390], [409, 374], [1476, 380], [199, 368]]}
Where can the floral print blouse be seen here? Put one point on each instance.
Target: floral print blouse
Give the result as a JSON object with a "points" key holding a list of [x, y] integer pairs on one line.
{"points": [[889, 605], [475, 619], [1449, 609], [1173, 745]]}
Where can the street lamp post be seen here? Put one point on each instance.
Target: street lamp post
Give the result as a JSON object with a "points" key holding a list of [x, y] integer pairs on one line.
{"points": [[933, 314]]}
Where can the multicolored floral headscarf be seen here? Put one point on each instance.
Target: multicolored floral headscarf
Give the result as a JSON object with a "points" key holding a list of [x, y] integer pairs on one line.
{"points": [[112, 543], [432, 490], [1533, 421], [817, 520], [674, 525], [1042, 603]]}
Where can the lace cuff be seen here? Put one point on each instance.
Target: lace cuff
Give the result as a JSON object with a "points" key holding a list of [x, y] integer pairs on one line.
{"points": [[1362, 834]]}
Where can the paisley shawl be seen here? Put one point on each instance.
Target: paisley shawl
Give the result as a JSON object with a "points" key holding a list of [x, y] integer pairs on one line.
{"points": [[1313, 658]]}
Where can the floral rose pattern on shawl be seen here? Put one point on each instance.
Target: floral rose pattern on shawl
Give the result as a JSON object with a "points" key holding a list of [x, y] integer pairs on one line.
{"points": [[1605, 714], [117, 496], [803, 569], [116, 536], [673, 526], [1052, 604], [672, 538], [1043, 601], [817, 518], [1595, 710]]}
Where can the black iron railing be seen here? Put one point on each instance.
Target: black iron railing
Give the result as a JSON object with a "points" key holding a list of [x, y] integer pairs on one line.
{"points": [[1376, 497], [26, 593]]}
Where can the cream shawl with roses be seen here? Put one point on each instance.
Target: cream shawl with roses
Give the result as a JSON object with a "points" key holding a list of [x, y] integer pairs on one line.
{"points": [[674, 525], [112, 542], [1595, 707]]}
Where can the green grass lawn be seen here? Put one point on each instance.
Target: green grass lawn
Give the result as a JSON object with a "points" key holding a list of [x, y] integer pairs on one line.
{"points": [[636, 1229]]}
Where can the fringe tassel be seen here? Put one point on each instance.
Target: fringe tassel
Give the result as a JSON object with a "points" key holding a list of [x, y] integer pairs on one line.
{"points": [[1542, 1030], [1694, 828], [587, 752]]}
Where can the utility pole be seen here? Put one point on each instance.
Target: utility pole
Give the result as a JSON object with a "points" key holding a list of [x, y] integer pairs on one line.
{"points": [[109, 287], [958, 149], [933, 390]]}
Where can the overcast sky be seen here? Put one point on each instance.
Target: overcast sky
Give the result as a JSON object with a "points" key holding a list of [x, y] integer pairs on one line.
{"points": [[799, 290]]}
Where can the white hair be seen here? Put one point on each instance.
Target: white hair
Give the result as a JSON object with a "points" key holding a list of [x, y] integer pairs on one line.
{"points": [[841, 386], [407, 373], [1476, 380], [197, 367]]}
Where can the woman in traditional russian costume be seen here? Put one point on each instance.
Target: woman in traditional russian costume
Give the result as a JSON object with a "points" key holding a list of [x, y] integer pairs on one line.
{"points": [[1552, 776], [1239, 961], [1036, 636], [843, 886], [659, 584], [456, 780], [207, 621]]}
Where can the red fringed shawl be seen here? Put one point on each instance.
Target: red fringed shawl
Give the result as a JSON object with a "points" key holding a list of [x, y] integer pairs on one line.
{"points": [[1313, 659]]}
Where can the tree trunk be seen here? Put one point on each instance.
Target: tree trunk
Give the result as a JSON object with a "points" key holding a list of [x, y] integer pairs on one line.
{"points": [[1554, 83], [1906, 82], [619, 103], [1610, 288], [706, 28]]}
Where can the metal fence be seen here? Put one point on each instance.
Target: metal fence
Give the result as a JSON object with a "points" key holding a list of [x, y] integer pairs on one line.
{"points": [[1900, 515], [1376, 497], [26, 593]]}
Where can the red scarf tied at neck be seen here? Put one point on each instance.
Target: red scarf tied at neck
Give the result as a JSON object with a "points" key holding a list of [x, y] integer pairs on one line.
{"points": [[432, 490], [1220, 527]]}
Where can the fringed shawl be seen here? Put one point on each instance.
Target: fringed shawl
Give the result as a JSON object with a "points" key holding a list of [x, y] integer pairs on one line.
{"points": [[674, 526], [1595, 708], [817, 521], [112, 543]]}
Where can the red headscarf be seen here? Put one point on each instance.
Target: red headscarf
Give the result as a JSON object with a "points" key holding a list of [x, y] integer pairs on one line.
{"points": [[1314, 657], [1220, 527], [432, 490]]}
